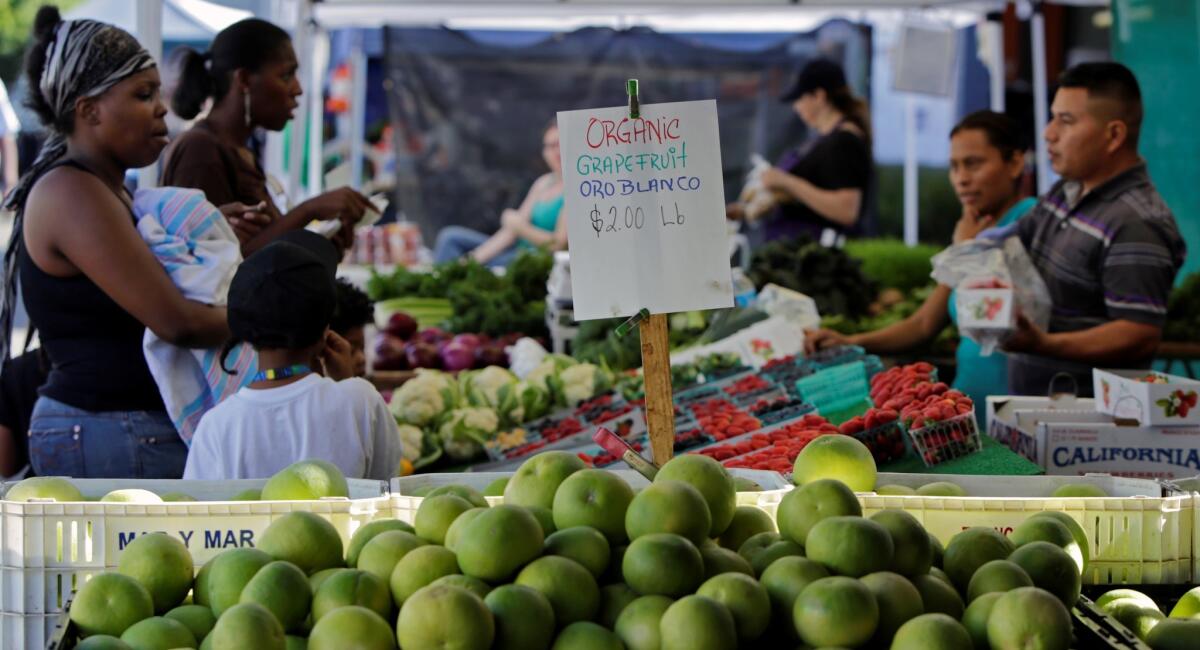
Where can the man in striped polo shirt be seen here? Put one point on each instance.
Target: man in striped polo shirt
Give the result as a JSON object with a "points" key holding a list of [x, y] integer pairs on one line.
{"points": [[1103, 239]]}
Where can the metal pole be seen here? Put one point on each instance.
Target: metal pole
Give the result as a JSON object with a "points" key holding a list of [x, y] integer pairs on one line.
{"points": [[1037, 34], [272, 155], [358, 109], [316, 101], [149, 32], [910, 171], [996, 65], [301, 39]]}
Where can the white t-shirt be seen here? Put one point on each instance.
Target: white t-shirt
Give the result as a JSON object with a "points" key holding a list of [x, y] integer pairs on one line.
{"points": [[257, 432]]}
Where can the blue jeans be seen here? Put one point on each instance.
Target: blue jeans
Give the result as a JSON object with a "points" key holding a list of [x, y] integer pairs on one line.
{"points": [[455, 241], [67, 441]]}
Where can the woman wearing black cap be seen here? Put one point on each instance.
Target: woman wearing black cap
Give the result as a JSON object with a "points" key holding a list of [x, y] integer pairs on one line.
{"points": [[821, 186], [249, 73]]}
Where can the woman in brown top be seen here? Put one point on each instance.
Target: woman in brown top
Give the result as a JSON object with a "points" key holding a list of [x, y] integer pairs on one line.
{"points": [[250, 74]]}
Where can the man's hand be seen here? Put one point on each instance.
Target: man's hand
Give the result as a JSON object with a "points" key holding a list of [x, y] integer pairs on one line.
{"points": [[247, 220], [822, 338], [337, 357], [970, 224], [1028, 338]]}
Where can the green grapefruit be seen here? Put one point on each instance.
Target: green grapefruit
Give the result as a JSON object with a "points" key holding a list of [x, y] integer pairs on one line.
{"points": [[839, 457]]}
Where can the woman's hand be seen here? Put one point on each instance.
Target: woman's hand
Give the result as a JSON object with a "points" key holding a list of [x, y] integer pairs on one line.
{"points": [[735, 211], [820, 339], [512, 220], [970, 224], [775, 179], [343, 204], [247, 220]]}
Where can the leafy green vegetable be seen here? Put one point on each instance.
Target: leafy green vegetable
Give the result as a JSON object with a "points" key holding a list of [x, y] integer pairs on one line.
{"points": [[829, 276], [892, 263], [1183, 311], [529, 272], [481, 302]]}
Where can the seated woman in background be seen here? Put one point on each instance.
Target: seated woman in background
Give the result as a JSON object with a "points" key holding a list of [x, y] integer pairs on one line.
{"points": [[987, 161], [535, 223]]}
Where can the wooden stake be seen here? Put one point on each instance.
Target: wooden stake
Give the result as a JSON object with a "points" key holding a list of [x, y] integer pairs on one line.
{"points": [[656, 367]]}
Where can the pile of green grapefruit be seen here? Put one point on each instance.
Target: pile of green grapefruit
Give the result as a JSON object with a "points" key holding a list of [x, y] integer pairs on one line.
{"points": [[575, 559]]}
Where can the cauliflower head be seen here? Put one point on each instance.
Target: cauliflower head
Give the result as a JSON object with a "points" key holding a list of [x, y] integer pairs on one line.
{"points": [[485, 387], [412, 440], [582, 382], [464, 430], [422, 399]]}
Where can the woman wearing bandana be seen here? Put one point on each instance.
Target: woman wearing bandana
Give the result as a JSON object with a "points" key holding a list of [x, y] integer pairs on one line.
{"points": [[90, 284]]}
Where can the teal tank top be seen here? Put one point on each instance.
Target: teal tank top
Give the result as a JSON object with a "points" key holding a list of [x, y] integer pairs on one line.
{"points": [[979, 376], [544, 216]]}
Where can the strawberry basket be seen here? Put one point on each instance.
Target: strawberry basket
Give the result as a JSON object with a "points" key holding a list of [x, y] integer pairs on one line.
{"points": [[880, 430], [940, 441]]}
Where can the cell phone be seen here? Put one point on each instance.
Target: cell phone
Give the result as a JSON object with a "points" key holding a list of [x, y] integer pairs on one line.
{"points": [[327, 229], [370, 218]]}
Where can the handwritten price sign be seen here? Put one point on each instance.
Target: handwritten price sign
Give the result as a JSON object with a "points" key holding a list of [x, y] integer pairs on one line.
{"points": [[645, 209]]}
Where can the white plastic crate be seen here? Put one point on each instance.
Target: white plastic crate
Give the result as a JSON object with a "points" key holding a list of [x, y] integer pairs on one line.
{"points": [[1192, 486], [1141, 533], [26, 632], [49, 548], [405, 507]]}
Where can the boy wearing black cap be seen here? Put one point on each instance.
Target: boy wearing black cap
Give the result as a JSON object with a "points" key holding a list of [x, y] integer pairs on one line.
{"points": [[281, 302]]}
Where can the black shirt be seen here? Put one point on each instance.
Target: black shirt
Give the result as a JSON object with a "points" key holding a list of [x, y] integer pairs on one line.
{"points": [[838, 160], [94, 345], [18, 393]]}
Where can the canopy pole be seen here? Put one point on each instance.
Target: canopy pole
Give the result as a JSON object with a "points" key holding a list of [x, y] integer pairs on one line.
{"points": [[997, 69], [302, 39], [910, 171], [149, 34], [1037, 34], [316, 108], [358, 109]]}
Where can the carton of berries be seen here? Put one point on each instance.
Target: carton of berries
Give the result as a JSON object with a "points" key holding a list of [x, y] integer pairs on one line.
{"points": [[1154, 399], [942, 427], [879, 429], [985, 303], [774, 449]]}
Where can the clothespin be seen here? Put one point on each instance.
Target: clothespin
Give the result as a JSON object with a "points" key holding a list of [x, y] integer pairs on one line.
{"points": [[631, 89], [625, 327]]}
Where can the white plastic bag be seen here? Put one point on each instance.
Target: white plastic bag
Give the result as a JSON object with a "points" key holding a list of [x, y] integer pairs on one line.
{"points": [[796, 307], [755, 196], [995, 281]]}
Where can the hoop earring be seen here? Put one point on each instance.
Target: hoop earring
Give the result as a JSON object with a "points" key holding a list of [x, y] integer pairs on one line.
{"points": [[246, 107]]}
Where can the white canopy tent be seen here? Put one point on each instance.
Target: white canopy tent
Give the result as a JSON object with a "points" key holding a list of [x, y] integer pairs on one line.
{"points": [[308, 21], [182, 20]]}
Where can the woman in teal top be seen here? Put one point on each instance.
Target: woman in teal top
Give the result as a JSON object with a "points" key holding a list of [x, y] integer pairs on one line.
{"points": [[987, 161], [535, 223]]}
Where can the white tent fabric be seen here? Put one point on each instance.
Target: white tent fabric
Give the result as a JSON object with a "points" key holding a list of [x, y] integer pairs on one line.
{"points": [[182, 20]]}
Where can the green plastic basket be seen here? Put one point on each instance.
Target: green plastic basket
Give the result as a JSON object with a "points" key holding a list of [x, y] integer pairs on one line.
{"points": [[839, 393]]}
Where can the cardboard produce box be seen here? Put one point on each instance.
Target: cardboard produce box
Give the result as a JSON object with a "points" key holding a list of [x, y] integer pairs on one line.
{"points": [[1132, 451], [1012, 419], [1167, 401]]}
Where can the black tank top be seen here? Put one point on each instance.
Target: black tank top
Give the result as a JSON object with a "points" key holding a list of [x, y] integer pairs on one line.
{"points": [[95, 346]]}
